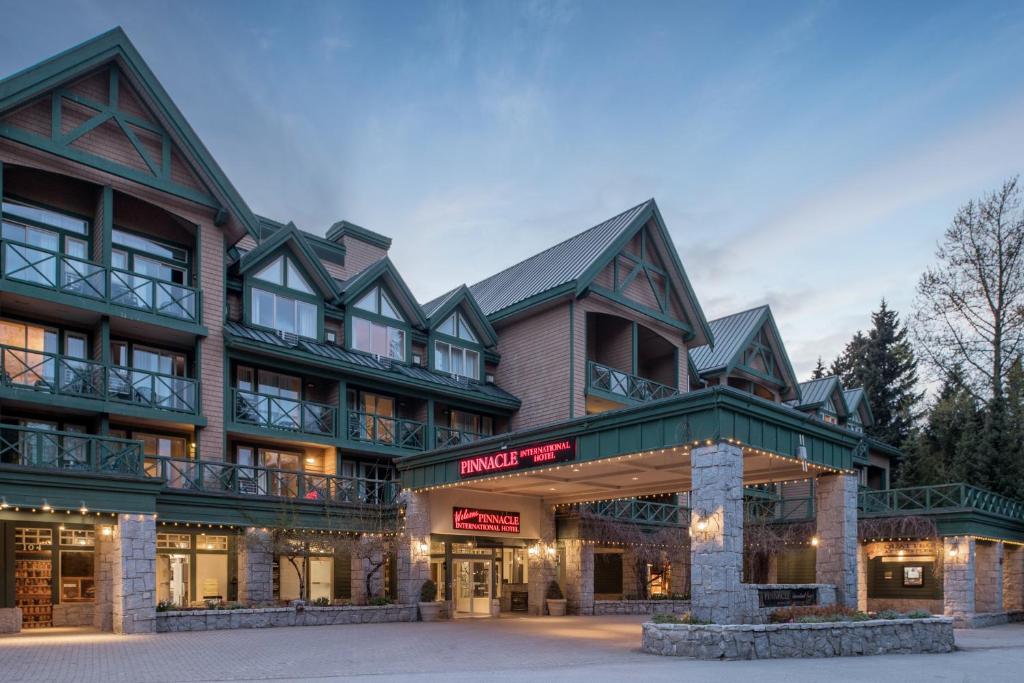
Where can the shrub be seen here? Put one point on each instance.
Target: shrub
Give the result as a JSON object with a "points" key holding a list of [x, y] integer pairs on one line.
{"points": [[379, 601], [165, 606], [815, 614], [889, 614], [554, 591], [684, 618], [428, 591], [670, 596], [321, 602], [919, 614]]}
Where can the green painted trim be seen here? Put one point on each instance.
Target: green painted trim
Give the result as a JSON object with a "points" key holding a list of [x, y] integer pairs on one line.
{"points": [[463, 296], [572, 358], [384, 268], [268, 432], [107, 226], [284, 292], [26, 487], [535, 300], [683, 327], [12, 394], [344, 228], [634, 342], [292, 239]]}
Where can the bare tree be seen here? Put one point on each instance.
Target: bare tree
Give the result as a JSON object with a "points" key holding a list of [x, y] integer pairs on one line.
{"points": [[648, 545], [970, 305]]}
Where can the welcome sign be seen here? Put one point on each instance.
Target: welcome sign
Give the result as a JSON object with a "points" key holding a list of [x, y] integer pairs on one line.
{"points": [[518, 458], [474, 519]]}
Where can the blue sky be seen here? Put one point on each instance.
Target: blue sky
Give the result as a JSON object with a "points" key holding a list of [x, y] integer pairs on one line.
{"points": [[806, 155]]}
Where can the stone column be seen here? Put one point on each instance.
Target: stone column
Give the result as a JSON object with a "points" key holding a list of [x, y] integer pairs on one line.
{"points": [[133, 580], [862, 577], [958, 577], [835, 498], [542, 561], [102, 616], [256, 566], [988, 577], [1013, 578], [414, 548], [716, 549], [579, 576]]}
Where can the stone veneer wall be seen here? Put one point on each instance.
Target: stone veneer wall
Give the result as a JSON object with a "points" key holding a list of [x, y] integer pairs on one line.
{"points": [[133, 579], [605, 607], [579, 576], [255, 566], [542, 565], [836, 517], [904, 605], [74, 614], [777, 641], [413, 562], [215, 620], [10, 619]]}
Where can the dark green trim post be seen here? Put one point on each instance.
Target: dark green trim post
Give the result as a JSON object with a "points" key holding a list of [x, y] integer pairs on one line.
{"points": [[197, 367], [341, 429], [675, 364], [633, 344], [108, 224], [7, 555], [104, 424], [1, 179], [572, 358], [105, 355], [429, 439]]}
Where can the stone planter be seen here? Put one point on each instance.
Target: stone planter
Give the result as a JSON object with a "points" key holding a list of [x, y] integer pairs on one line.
{"points": [[430, 611], [214, 620], [556, 608], [776, 641], [10, 620]]}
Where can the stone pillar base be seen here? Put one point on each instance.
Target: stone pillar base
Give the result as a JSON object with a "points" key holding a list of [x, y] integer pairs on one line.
{"points": [[10, 620]]}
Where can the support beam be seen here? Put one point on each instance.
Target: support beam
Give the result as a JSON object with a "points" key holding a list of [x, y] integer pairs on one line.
{"points": [[835, 499]]}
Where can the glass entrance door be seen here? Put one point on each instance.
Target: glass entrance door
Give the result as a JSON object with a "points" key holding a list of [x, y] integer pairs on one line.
{"points": [[473, 586]]}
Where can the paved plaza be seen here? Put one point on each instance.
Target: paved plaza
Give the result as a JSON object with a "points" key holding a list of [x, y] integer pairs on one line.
{"points": [[509, 649]]}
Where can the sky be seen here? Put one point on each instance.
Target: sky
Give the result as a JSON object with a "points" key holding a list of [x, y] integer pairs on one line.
{"points": [[808, 155]]}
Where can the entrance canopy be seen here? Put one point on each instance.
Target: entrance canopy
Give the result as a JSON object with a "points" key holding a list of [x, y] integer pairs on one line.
{"points": [[640, 450]]}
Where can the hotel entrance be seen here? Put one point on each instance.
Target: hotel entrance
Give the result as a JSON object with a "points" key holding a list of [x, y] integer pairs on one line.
{"points": [[473, 587], [480, 576]]}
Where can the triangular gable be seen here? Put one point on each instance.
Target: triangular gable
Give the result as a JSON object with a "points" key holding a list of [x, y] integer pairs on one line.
{"points": [[819, 393], [653, 280], [384, 271], [858, 404], [463, 300], [99, 104], [291, 240]]}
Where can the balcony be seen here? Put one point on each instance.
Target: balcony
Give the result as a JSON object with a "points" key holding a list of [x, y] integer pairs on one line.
{"points": [[777, 510], [50, 270], [47, 373], [283, 414], [636, 511], [622, 386], [446, 437], [70, 451], [938, 499], [244, 480], [382, 430]]}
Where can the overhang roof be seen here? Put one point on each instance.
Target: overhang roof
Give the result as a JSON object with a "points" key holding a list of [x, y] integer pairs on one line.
{"points": [[816, 392], [856, 401]]}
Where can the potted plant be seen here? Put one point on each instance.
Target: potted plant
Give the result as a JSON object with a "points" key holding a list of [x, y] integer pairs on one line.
{"points": [[555, 600], [429, 609]]}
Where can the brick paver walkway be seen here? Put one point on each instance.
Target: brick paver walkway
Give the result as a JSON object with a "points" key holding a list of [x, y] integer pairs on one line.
{"points": [[530, 649]]}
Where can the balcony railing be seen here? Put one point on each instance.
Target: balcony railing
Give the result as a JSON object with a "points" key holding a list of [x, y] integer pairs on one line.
{"points": [[382, 430], [637, 511], [246, 480], [447, 437], [66, 274], [274, 412], [941, 498], [69, 451], [53, 373], [631, 387], [775, 510]]}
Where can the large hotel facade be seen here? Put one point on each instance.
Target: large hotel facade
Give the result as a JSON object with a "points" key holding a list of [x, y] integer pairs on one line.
{"points": [[201, 406]]}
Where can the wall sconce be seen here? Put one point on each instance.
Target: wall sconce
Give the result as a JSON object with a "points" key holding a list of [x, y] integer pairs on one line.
{"points": [[192, 450], [550, 550], [106, 531], [46, 506], [423, 547], [814, 541], [954, 549], [533, 551]]}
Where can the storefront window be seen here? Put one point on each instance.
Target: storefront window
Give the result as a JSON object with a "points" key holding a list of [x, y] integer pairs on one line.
{"points": [[211, 576], [77, 576]]}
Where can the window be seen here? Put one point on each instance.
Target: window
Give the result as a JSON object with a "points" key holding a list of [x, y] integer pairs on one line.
{"points": [[149, 246], [283, 313], [149, 258], [378, 338], [377, 301], [456, 326], [47, 217], [283, 272], [456, 360], [474, 424], [77, 576]]}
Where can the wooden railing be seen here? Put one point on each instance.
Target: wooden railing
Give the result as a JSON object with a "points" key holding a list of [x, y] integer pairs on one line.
{"points": [[290, 415], [69, 451], [66, 274], [773, 510], [446, 437], [637, 511], [939, 498], [383, 430], [55, 373], [631, 387]]}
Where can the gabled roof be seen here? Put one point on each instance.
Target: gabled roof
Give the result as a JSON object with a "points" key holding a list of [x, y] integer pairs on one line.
{"points": [[856, 401], [346, 229], [816, 392], [290, 237], [571, 266], [384, 269], [437, 310], [733, 335], [114, 46]]}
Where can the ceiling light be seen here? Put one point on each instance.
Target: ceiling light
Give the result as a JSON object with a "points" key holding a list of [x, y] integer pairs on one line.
{"points": [[46, 506], [635, 478]]}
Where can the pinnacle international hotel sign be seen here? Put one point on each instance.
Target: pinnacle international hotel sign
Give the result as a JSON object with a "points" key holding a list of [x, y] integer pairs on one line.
{"points": [[524, 457], [474, 519]]}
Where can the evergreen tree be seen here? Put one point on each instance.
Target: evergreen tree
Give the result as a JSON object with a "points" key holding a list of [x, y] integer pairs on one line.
{"points": [[882, 362], [819, 370]]}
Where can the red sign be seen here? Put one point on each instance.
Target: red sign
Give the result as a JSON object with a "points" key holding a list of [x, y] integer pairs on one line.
{"points": [[518, 458], [472, 519]]}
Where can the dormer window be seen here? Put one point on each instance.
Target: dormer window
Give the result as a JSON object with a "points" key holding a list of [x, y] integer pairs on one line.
{"points": [[377, 301], [456, 326], [456, 360], [283, 273]]}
